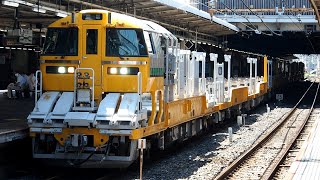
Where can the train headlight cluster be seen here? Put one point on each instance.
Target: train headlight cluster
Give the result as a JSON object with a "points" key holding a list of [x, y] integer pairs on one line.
{"points": [[123, 70], [60, 69]]}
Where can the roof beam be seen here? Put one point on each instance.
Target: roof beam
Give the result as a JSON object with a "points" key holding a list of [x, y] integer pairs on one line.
{"points": [[316, 8], [112, 3], [30, 19], [163, 9], [148, 6], [178, 14], [267, 10]]}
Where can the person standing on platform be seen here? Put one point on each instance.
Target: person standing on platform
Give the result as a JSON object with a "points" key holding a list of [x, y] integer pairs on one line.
{"points": [[18, 87], [32, 83]]}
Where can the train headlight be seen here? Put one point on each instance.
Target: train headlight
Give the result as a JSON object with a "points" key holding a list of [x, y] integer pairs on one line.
{"points": [[70, 69], [113, 71], [123, 70], [61, 70]]}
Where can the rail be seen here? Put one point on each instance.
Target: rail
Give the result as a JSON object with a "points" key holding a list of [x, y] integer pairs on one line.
{"points": [[225, 173], [276, 164]]}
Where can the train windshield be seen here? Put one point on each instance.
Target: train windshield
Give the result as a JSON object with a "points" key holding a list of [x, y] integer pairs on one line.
{"points": [[125, 42], [61, 42]]}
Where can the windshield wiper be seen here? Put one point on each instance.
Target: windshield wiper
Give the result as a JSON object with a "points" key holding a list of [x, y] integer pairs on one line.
{"points": [[47, 47], [127, 40]]}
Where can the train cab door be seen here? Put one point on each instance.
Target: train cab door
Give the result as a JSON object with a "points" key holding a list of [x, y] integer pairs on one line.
{"points": [[91, 54]]}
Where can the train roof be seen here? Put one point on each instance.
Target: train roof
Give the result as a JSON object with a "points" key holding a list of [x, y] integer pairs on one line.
{"points": [[144, 24], [122, 18]]}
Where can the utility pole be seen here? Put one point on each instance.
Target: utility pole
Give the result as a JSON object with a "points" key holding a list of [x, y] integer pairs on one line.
{"points": [[141, 146]]}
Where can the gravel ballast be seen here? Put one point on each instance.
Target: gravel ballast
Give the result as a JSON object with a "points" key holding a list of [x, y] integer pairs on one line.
{"points": [[205, 157]]}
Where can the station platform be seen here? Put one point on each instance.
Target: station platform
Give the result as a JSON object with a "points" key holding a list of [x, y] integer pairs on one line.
{"points": [[307, 164], [13, 118]]}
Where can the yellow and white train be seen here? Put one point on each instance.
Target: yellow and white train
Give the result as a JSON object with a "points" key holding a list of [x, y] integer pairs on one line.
{"points": [[108, 80]]}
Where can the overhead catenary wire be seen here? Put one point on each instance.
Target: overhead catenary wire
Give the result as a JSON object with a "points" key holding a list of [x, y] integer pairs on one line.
{"points": [[242, 22], [286, 5], [245, 18], [260, 19]]}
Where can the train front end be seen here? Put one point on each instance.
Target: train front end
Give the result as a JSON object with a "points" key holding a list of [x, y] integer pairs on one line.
{"points": [[93, 72]]}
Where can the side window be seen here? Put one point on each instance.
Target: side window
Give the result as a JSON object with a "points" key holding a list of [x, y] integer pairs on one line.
{"points": [[92, 41], [149, 42], [152, 44]]}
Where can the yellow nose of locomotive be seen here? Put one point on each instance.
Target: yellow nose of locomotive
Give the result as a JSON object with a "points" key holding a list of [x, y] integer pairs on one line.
{"points": [[121, 75]]}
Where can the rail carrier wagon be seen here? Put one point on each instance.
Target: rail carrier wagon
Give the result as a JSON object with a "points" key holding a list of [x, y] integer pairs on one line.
{"points": [[108, 79]]}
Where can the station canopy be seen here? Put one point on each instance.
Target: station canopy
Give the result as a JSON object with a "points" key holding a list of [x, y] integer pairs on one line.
{"points": [[182, 17]]}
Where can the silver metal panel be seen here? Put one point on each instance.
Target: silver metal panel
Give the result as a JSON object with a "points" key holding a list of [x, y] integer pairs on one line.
{"points": [[64, 104], [45, 103], [46, 124], [46, 130], [116, 132], [79, 118], [108, 105], [12, 135], [128, 105], [111, 126], [83, 95], [60, 61], [125, 62]]}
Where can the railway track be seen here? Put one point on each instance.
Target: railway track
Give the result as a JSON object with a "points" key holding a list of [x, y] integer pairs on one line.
{"points": [[263, 159], [282, 167], [131, 174]]}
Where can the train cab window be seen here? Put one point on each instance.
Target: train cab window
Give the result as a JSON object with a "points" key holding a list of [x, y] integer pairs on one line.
{"points": [[91, 16], [125, 42], [92, 41], [61, 42]]}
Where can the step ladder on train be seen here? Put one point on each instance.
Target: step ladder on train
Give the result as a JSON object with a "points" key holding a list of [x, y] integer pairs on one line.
{"points": [[83, 99]]}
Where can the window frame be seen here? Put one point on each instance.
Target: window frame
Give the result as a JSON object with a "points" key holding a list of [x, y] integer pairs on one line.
{"points": [[96, 42], [84, 15], [77, 42], [135, 29], [152, 43]]}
